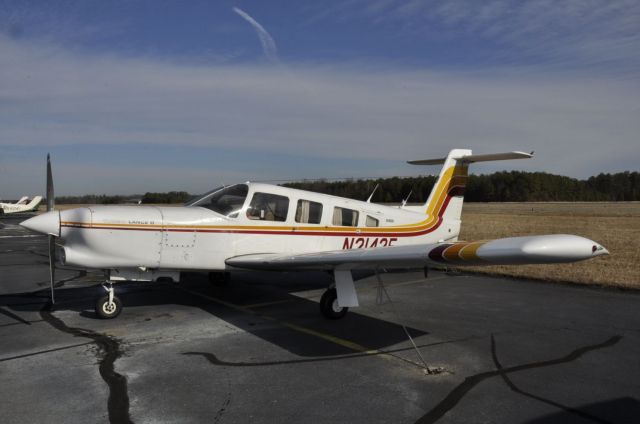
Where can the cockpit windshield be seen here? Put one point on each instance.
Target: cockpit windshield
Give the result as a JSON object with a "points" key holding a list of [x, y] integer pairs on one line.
{"points": [[226, 201]]}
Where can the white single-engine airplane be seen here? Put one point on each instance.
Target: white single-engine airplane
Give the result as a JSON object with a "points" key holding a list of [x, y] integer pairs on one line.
{"points": [[266, 227], [21, 205]]}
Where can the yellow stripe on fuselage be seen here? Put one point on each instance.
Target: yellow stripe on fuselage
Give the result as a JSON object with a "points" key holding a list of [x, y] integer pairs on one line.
{"points": [[454, 176]]}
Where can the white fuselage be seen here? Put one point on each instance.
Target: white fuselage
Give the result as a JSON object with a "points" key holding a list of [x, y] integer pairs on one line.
{"points": [[197, 238]]}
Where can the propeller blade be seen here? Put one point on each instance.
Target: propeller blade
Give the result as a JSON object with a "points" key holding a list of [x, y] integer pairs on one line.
{"points": [[52, 266], [50, 195], [52, 240]]}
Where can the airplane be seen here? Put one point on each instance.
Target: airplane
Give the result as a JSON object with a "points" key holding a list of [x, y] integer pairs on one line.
{"points": [[20, 206], [257, 226]]}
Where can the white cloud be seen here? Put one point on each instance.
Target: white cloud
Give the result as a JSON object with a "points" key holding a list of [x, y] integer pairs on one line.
{"points": [[569, 32], [577, 124], [268, 44]]}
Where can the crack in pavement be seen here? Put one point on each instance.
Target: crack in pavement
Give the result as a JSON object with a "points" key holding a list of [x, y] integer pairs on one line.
{"points": [[38, 253], [20, 323], [109, 351], [225, 403], [214, 360], [14, 316], [516, 389], [456, 395], [27, 355]]}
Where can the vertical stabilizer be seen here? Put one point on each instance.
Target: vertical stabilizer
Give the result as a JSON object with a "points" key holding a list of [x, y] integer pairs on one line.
{"points": [[33, 204], [447, 195]]}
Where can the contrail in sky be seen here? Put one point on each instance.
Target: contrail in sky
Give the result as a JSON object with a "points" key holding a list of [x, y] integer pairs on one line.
{"points": [[268, 45]]}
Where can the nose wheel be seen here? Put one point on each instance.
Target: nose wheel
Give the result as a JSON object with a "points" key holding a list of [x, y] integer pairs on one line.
{"points": [[108, 306]]}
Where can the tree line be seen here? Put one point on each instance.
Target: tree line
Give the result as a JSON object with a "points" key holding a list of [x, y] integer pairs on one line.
{"points": [[104, 199], [512, 186]]}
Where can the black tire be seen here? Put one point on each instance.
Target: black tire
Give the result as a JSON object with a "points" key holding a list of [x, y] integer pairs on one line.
{"points": [[329, 305], [219, 278], [102, 309]]}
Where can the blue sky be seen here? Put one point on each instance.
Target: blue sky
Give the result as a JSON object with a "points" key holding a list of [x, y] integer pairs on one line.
{"points": [[143, 96]]}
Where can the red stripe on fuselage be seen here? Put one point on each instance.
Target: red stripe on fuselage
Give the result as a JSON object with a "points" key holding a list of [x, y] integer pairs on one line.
{"points": [[274, 232]]}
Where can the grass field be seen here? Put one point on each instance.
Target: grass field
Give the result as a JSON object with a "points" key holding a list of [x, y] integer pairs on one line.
{"points": [[615, 225]]}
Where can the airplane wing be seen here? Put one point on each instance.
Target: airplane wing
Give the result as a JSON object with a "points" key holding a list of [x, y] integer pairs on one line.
{"points": [[543, 249]]}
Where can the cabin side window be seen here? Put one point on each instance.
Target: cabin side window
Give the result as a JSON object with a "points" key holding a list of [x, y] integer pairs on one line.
{"points": [[345, 217], [308, 212], [268, 207], [372, 222]]}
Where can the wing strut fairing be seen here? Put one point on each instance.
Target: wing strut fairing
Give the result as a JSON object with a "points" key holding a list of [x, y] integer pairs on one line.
{"points": [[347, 296]]}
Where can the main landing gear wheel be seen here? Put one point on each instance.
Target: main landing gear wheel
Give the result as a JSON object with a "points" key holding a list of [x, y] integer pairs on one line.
{"points": [[106, 309], [329, 305]]}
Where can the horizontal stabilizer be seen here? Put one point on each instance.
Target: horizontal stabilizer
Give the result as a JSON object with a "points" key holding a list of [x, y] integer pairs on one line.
{"points": [[475, 158]]}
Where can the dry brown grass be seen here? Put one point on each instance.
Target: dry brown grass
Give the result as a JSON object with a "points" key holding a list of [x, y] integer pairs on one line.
{"points": [[615, 225]]}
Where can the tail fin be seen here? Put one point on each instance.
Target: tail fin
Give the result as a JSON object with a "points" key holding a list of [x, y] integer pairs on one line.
{"points": [[34, 203], [447, 195]]}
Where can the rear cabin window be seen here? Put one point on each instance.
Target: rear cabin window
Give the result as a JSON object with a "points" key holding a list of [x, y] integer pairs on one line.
{"points": [[371, 221], [345, 217], [308, 212], [268, 207]]}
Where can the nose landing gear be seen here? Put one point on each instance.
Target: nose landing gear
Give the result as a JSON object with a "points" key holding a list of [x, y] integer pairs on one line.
{"points": [[108, 306]]}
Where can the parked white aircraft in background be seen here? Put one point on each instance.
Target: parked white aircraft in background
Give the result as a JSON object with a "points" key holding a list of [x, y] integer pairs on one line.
{"points": [[267, 227], [21, 205]]}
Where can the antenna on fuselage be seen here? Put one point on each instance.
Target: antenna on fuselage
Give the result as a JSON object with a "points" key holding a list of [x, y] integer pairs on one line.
{"points": [[404, 202], [372, 193]]}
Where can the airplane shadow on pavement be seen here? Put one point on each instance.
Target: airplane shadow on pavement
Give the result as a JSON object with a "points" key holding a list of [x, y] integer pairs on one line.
{"points": [[261, 304]]}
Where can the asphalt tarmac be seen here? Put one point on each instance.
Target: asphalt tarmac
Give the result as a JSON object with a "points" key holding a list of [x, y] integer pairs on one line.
{"points": [[258, 351]]}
